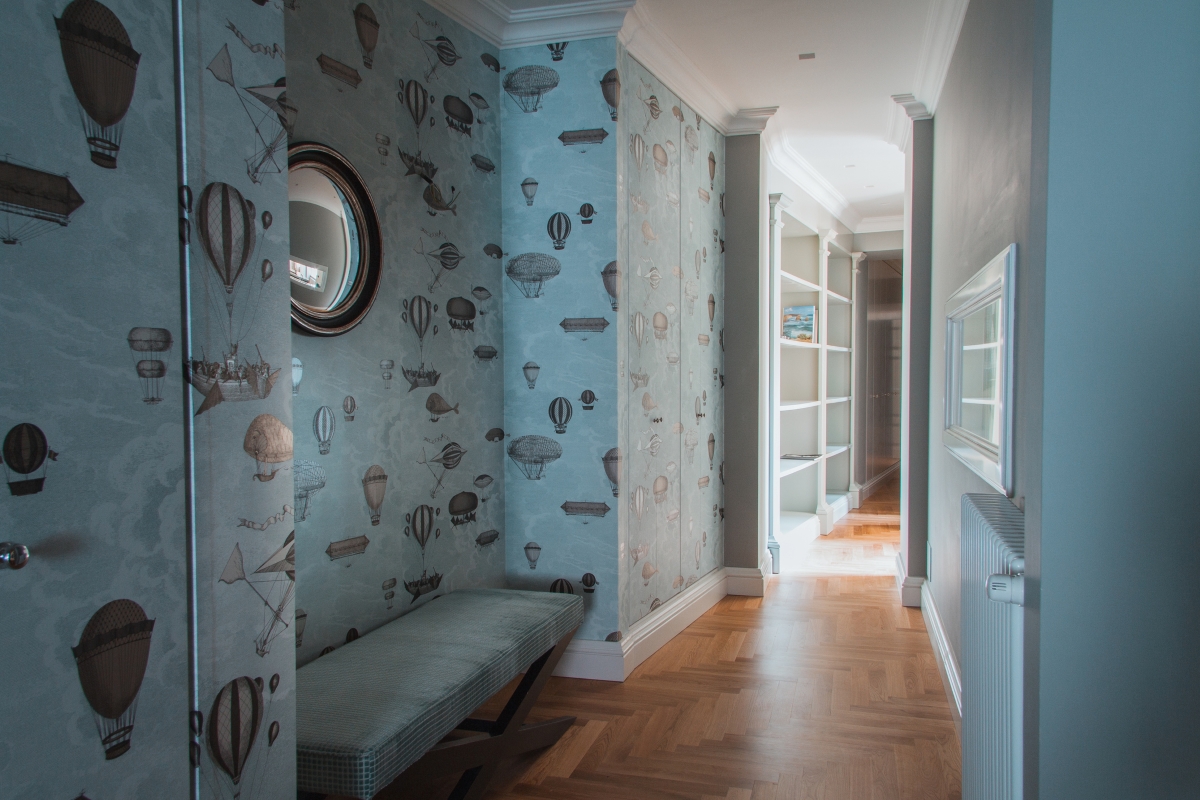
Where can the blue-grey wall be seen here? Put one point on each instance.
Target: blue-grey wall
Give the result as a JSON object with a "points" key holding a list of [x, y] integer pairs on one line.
{"points": [[1119, 550], [570, 363], [392, 427]]}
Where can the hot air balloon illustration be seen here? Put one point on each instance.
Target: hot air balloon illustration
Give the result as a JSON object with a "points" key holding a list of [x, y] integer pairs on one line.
{"points": [[151, 370], [275, 584], [648, 572], [481, 294], [530, 271], [562, 586], [483, 481], [374, 487], [111, 658], [25, 452], [560, 413], [699, 411], [531, 370], [102, 67], [367, 28], [660, 159], [531, 454], [483, 164], [459, 115], [416, 101], [494, 435], [533, 551], [233, 723], [490, 62], [437, 407], [712, 310], [268, 441], [418, 312], [660, 324], [637, 503], [386, 366], [33, 202], [588, 398], [648, 234], [712, 447], [486, 538], [637, 147], [485, 352], [611, 276], [297, 375], [529, 188], [449, 458], [309, 479], [610, 87], [558, 228], [586, 212], [437, 202], [556, 50], [439, 51], [612, 469], [421, 525], [637, 326], [692, 141], [527, 85], [589, 582], [462, 508], [712, 169], [661, 484], [349, 406], [690, 293], [324, 424], [228, 232], [653, 107], [442, 259], [461, 312]]}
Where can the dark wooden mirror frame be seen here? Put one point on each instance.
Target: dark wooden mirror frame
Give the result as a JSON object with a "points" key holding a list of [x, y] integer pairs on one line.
{"points": [[358, 302]]}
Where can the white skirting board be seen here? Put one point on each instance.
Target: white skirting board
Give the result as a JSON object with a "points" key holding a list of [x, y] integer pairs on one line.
{"points": [[909, 586], [870, 487], [613, 661], [941, 646]]}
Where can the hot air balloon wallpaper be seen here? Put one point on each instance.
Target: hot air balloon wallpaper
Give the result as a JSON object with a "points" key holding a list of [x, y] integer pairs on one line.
{"points": [[442, 259], [610, 86], [297, 375], [459, 116], [367, 28], [111, 658], [556, 50], [448, 458], [418, 313], [528, 85], [462, 508], [529, 188], [102, 67], [562, 586], [33, 202], [271, 116], [560, 414], [233, 723], [533, 453], [268, 441], [150, 347], [612, 469], [437, 407], [589, 582], [558, 228], [531, 372], [324, 425], [374, 484], [309, 477], [588, 399], [274, 582], [533, 552], [421, 525], [439, 52], [339, 71], [461, 312], [712, 169], [349, 406], [25, 452], [385, 367], [611, 277], [586, 212], [530, 271]]}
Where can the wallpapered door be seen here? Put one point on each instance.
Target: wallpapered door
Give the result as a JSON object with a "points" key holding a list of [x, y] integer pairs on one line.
{"points": [[561, 330], [671, 243], [419, 117]]}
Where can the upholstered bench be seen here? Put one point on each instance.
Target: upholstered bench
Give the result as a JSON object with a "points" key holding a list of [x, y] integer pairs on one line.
{"points": [[381, 704]]}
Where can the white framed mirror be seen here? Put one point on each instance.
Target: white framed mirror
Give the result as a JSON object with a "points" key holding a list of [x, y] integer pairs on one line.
{"points": [[979, 371]]}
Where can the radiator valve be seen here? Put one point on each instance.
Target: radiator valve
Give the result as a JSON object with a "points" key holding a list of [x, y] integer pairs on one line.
{"points": [[1006, 589]]}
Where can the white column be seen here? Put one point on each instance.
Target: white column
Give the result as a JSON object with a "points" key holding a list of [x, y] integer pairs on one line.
{"points": [[778, 202], [824, 512], [855, 438]]}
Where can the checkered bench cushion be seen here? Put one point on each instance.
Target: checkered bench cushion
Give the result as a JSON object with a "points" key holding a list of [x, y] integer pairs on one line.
{"points": [[368, 710]]}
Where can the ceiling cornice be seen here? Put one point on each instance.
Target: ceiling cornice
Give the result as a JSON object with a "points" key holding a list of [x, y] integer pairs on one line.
{"points": [[942, 26], [881, 224], [792, 164], [507, 27]]}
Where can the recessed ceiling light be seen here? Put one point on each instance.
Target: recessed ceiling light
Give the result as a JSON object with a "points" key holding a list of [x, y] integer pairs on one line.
{"points": [[850, 166], [870, 186], [807, 56]]}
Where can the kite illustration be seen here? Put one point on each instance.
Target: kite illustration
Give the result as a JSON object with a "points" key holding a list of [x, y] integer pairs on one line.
{"points": [[272, 123], [275, 584]]}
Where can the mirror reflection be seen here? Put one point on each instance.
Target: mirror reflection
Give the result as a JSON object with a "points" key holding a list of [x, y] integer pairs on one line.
{"points": [[325, 250]]}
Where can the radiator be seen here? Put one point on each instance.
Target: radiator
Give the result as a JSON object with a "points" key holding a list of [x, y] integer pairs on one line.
{"points": [[993, 623]]}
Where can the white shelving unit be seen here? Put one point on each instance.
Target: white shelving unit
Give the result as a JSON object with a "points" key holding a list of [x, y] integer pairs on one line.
{"points": [[812, 384]]}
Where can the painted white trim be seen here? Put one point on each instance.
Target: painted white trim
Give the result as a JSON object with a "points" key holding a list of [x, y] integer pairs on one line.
{"points": [[941, 647], [750, 120], [747, 581], [868, 488], [881, 224], [805, 175], [614, 661], [507, 27], [942, 27]]}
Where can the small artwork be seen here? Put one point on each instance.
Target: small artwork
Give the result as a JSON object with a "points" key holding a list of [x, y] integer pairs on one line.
{"points": [[800, 323]]}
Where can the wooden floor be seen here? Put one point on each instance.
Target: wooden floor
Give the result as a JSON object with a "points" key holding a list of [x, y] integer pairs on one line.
{"points": [[825, 688]]}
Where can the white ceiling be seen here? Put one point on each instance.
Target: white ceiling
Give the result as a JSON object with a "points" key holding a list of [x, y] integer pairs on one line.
{"points": [[726, 58]]}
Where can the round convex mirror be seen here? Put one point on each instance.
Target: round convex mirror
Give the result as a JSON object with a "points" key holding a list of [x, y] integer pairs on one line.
{"points": [[336, 250]]}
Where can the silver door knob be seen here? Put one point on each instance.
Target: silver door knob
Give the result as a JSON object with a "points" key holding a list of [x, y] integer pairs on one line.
{"points": [[13, 555]]}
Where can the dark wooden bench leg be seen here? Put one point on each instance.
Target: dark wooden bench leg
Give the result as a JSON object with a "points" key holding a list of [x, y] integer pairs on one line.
{"points": [[478, 757]]}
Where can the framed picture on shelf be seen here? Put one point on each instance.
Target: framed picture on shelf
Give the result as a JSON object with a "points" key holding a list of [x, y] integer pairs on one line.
{"points": [[800, 323]]}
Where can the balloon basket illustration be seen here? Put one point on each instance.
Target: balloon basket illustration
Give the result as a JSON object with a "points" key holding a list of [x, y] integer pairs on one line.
{"points": [[231, 380], [25, 452], [111, 658], [102, 67], [233, 725], [462, 508], [423, 585], [33, 202]]}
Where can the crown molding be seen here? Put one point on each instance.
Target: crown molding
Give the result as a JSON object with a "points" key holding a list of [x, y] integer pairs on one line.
{"points": [[942, 26], [650, 45], [507, 27], [750, 120], [792, 164], [881, 224]]}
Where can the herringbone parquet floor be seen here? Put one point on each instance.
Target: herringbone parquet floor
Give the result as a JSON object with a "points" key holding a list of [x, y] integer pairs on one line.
{"points": [[826, 688]]}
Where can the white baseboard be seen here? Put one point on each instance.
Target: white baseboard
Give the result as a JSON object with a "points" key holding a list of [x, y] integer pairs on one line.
{"points": [[748, 581], [909, 586], [941, 646], [870, 487], [613, 661]]}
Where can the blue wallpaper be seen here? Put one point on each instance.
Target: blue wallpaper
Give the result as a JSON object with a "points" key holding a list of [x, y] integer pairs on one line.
{"points": [[671, 189], [568, 331], [422, 405]]}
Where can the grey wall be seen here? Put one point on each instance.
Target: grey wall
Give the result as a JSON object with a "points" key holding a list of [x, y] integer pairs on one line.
{"points": [[981, 203], [745, 478], [1119, 551]]}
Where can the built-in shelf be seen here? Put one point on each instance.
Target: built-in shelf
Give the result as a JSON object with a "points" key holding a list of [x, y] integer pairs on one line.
{"points": [[834, 297], [794, 284], [790, 466], [833, 348], [786, 342], [984, 346], [796, 405], [834, 449], [980, 401], [837, 399]]}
